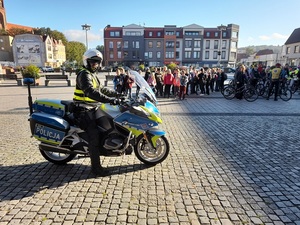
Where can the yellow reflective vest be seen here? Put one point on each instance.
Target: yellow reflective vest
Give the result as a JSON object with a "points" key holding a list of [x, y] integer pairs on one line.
{"points": [[79, 94], [276, 73]]}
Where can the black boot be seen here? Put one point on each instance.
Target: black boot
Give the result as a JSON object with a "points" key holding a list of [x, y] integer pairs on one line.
{"points": [[100, 171], [97, 169]]}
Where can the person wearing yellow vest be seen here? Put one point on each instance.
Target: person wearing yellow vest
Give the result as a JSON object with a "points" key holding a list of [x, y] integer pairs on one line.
{"points": [[276, 75], [88, 92]]}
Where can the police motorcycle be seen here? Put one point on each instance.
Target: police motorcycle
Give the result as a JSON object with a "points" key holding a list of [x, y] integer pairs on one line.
{"points": [[135, 127]]}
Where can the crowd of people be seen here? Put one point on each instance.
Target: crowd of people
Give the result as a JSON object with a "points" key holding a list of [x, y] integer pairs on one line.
{"points": [[180, 82], [175, 83]]}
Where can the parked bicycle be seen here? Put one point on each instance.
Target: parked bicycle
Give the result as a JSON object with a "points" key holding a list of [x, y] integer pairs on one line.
{"points": [[247, 91], [284, 92]]}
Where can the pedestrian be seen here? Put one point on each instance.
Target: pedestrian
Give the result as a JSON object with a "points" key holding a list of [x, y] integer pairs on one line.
{"points": [[159, 83], [168, 81], [128, 82], [240, 81], [183, 84], [276, 75], [152, 82], [118, 81]]}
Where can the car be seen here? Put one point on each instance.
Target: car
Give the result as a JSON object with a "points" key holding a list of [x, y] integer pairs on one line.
{"points": [[230, 72], [47, 69]]}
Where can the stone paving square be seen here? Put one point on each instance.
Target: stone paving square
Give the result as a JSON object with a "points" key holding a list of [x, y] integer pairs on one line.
{"points": [[231, 162]]}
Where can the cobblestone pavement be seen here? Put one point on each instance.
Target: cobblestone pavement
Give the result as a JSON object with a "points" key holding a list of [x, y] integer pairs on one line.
{"points": [[231, 162]]}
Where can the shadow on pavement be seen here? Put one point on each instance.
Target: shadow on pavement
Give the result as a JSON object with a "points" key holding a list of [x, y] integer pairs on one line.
{"points": [[21, 181]]}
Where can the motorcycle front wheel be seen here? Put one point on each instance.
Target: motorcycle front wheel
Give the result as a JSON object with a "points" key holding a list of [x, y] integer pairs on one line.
{"points": [[57, 158], [149, 155]]}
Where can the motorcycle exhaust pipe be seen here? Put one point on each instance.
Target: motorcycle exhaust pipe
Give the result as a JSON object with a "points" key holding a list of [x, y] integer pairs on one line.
{"points": [[51, 148]]}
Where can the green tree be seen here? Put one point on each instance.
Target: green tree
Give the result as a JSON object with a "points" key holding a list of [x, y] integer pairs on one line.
{"points": [[172, 66], [250, 51], [75, 51], [59, 36], [43, 31]]}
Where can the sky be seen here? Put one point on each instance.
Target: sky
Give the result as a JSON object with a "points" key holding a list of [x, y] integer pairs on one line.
{"points": [[262, 22]]}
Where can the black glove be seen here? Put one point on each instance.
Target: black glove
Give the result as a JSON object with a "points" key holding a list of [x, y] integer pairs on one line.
{"points": [[114, 101]]}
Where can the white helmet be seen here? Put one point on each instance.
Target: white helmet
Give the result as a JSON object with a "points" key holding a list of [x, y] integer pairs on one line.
{"points": [[92, 54]]}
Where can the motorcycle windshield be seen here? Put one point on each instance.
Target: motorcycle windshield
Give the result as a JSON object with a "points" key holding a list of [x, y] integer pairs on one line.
{"points": [[144, 87]]}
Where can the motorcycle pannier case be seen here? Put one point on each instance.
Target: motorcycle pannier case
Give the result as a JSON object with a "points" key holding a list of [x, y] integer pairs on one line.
{"points": [[48, 128], [51, 106]]}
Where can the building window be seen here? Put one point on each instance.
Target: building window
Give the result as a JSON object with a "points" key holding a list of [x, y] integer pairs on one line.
{"points": [[197, 55], [136, 44], [216, 44], [125, 45], [296, 49], [158, 34], [150, 55], [119, 54], [216, 34], [111, 44], [133, 33], [197, 44], [169, 55], [125, 54], [234, 34], [206, 54], [224, 43], [177, 34], [224, 34], [119, 44], [150, 44], [207, 34], [170, 44], [146, 55], [158, 44], [207, 44], [114, 33], [288, 50], [223, 54], [177, 44], [169, 33], [191, 33], [188, 44], [188, 55], [111, 54], [150, 34], [158, 55], [234, 44], [215, 56], [177, 55]]}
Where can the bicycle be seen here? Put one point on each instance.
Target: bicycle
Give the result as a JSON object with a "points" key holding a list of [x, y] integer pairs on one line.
{"points": [[295, 86], [284, 92], [247, 91]]}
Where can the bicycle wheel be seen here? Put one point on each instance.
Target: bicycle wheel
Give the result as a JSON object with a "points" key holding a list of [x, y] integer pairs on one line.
{"points": [[260, 89], [250, 94], [229, 92], [285, 94]]}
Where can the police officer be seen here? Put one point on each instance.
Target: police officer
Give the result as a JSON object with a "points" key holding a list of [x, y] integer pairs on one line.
{"points": [[277, 74], [88, 93]]}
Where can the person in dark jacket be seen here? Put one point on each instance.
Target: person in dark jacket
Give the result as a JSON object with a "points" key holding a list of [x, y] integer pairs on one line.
{"points": [[240, 81], [87, 94]]}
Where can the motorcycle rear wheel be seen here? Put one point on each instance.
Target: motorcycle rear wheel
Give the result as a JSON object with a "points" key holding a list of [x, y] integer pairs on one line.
{"points": [[57, 158], [150, 156]]}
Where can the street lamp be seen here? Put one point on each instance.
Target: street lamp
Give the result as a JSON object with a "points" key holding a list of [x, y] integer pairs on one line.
{"points": [[220, 28], [86, 27]]}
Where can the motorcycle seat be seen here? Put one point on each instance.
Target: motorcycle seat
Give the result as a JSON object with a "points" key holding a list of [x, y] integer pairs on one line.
{"points": [[69, 105]]}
